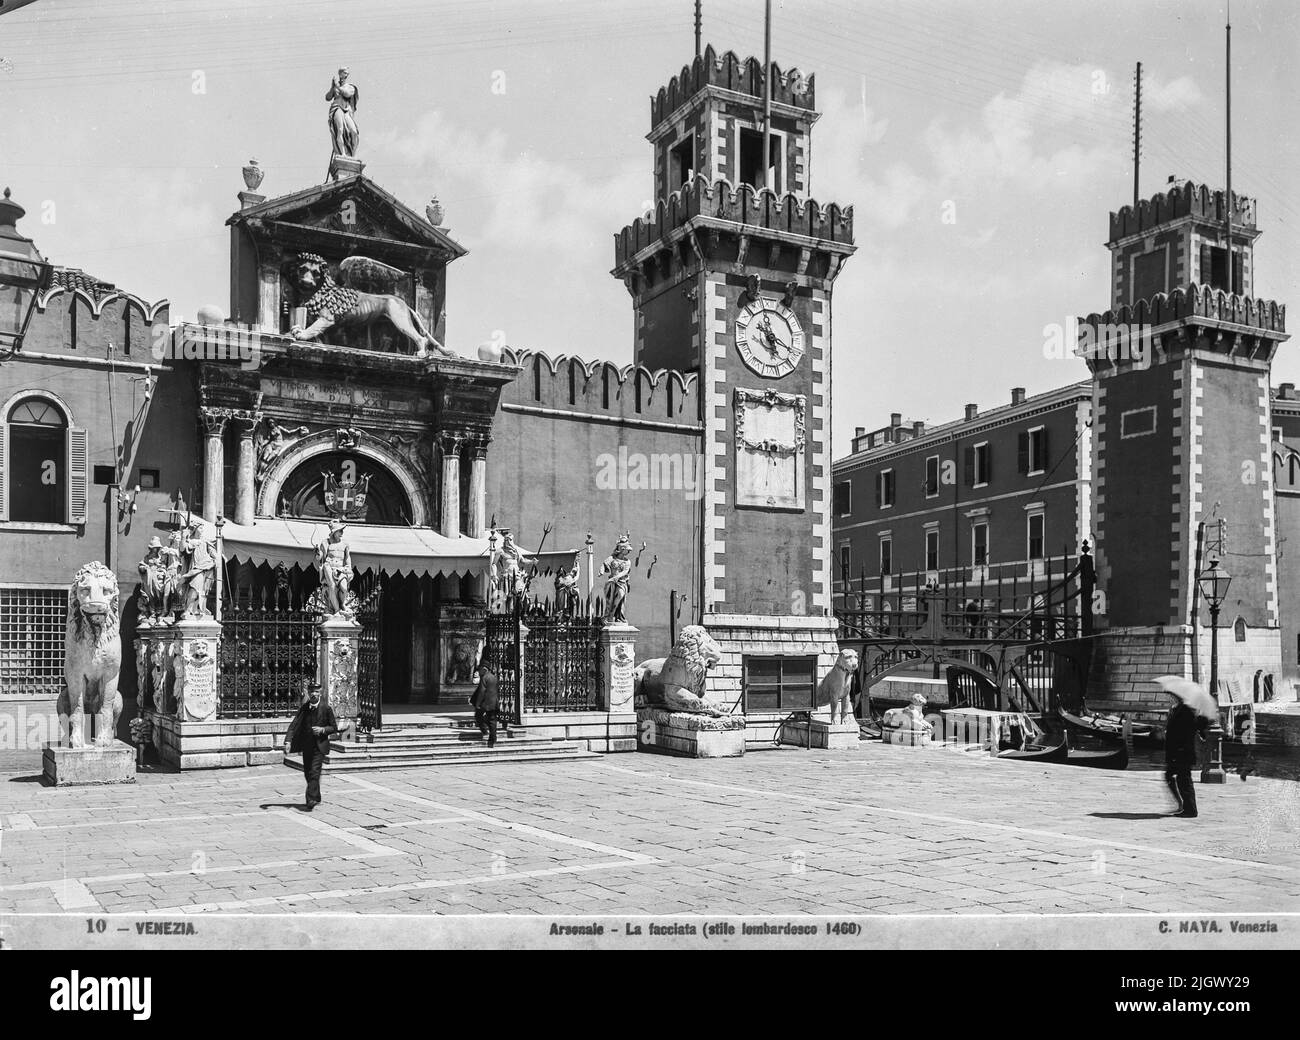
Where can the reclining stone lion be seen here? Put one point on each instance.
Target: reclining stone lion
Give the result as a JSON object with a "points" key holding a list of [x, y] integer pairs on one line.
{"points": [[92, 657], [329, 304], [676, 682]]}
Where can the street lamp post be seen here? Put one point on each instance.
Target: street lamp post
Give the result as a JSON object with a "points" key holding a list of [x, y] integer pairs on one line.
{"points": [[1214, 587], [24, 275]]}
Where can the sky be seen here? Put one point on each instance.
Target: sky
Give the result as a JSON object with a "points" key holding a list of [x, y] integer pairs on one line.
{"points": [[982, 143]]}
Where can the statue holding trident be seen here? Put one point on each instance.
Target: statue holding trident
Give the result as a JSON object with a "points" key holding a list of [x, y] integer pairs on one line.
{"points": [[343, 97]]}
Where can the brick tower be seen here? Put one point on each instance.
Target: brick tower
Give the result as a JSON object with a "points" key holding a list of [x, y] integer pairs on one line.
{"points": [[733, 279], [1182, 435]]}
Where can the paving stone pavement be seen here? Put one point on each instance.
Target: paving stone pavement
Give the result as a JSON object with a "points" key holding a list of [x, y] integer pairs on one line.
{"points": [[879, 830]]}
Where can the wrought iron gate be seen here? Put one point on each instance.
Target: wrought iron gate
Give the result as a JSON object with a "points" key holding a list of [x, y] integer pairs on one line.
{"points": [[268, 645], [503, 651], [370, 661]]}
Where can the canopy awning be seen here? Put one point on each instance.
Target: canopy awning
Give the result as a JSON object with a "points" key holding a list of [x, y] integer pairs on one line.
{"points": [[390, 550]]}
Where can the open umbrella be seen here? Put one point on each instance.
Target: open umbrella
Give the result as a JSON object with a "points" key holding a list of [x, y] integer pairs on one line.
{"points": [[1194, 695]]}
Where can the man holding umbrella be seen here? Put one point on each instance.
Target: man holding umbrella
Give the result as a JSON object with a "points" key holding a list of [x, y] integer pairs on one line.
{"points": [[1193, 708]]}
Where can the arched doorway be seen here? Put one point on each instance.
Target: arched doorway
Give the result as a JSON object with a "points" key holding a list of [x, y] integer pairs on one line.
{"points": [[405, 621], [303, 492]]}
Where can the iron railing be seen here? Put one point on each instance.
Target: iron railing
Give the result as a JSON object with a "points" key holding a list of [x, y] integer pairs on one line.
{"points": [[562, 666], [370, 680]]}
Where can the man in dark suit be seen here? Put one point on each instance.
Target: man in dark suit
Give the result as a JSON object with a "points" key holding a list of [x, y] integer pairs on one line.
{"points": [[486, 700], [309, 734], [1181, 730]]}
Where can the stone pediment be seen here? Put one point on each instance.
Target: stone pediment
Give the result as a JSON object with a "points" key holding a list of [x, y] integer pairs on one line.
{"points": [[350, 208]]}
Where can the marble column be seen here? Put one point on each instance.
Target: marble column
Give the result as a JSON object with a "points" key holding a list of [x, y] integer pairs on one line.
{"points": [[214, 425], [476, 590], [268, 291], [245, 466], [450, 524]]}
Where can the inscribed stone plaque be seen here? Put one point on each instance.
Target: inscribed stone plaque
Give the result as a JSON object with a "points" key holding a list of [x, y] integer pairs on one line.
{"points": [[769, 449]]}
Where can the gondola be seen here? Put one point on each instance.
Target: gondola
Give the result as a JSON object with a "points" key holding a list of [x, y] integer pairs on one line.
{"points": [[1047, 748], [1099, 757], [1090, 723]]}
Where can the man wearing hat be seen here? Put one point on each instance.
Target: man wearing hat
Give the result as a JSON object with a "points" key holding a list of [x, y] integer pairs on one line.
{"points": [[309, 734], [1192, 709]]}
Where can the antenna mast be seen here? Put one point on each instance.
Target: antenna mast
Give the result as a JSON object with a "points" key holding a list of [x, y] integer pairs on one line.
{"points": [[767, 92], [1232, 281], [698, 21], [1137, 133]]}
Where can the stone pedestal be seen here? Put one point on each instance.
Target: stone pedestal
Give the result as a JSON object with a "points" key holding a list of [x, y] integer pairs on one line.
{"points": [[339, 638], [738, 635], [194, 665], [823, 733], [618, 665], [342, 166], [461, 633], [691, 736], [81, 767]]}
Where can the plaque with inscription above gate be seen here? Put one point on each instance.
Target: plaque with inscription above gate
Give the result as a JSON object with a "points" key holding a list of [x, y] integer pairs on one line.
{"points": [[770, 435]]}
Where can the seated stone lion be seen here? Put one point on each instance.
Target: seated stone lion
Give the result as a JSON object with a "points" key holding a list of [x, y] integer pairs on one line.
{"points": [[92, 657], [676, 682], [836, 687], [329, 304]]}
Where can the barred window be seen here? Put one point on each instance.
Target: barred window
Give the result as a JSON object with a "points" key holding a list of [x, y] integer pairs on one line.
{"points": [[31, 641]]}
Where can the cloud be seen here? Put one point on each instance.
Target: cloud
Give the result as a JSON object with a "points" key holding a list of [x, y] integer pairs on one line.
{"points": [[1174, 96], [525, 199]]}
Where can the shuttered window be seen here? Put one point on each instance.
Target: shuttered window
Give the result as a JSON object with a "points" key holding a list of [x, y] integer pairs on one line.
{"points": [[35, 463], [78, 454]]}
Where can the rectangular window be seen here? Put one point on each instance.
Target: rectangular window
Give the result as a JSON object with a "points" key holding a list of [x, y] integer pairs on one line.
{"points": [[843, 498], [979, 544], [885, 489], [1033, 451], [103, 475], [681, 163], [751, 159], [1137, 422], [1036, 534], [779, 683], [932, 549], [886, 556], [846, 562], [150, 478], [981, 457], [1214, 268], [1149, 274], [932, 477]]}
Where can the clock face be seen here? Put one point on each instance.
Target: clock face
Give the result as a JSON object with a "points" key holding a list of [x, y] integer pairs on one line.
{"points": [[769, 338]]}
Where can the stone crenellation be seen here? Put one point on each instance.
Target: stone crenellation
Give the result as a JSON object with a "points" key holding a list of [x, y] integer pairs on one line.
{"points": [[1198, 301], [758, 208], [731, 72], [601, 387], [1187, 199]]}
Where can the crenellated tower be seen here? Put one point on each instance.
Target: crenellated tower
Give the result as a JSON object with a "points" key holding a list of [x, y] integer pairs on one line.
{"points": [[1182, 435], [731, 276]]}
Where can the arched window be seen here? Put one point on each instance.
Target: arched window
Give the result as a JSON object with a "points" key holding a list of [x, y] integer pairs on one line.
{"points": [[42, 464]]}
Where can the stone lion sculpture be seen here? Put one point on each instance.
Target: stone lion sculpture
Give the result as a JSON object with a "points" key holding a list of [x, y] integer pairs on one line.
{"points": [[907, 725], [92, 656], [837, 685], [676, 682], [329, 304], [461, 666]]}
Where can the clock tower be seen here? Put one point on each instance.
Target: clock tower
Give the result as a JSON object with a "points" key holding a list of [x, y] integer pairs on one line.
{"points": [[731, 275]]}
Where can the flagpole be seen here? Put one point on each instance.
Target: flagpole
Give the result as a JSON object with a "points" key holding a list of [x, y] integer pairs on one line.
{"points": [[767, 92], [1232, 284]]}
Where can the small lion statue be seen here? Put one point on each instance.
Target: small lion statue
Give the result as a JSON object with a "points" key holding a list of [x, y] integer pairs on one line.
{"points": [[92, 657], [329, 304], [836, 687], [676, 682]]}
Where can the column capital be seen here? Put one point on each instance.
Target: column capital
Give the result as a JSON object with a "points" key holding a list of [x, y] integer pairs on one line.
{"points": [[449, 441], [214, 420], [478, 444], [245, 423]]}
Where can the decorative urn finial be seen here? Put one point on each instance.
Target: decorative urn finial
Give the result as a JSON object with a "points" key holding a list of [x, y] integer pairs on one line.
{"points": [[253, 175], [435, 212]]}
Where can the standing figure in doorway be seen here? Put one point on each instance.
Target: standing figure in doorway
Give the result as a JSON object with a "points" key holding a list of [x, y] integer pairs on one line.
{"points": [[343, 97]]}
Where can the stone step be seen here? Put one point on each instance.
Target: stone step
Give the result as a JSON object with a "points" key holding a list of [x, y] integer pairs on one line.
{"points": [[468, 754], [433, 741]]}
